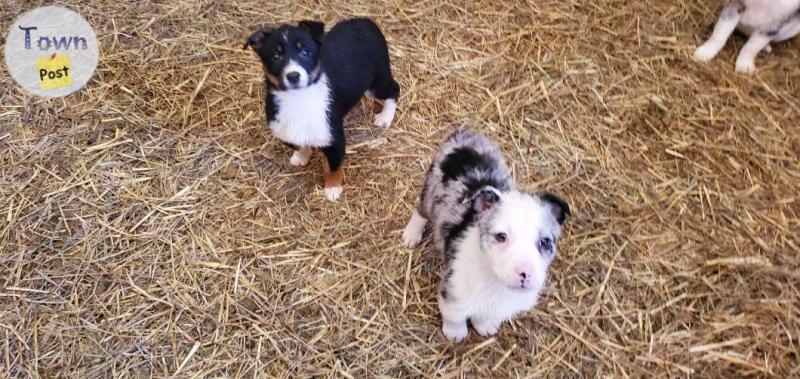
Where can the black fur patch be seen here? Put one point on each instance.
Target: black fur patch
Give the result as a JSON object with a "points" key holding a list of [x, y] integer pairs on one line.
{"points": [[461, 160], [270, 108], [446, 226], [475, 184], [316, 28], [560, 207], [457, 231], [445, 282]]}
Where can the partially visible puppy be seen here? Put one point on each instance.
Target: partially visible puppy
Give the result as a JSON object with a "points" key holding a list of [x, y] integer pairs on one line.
{"points": [[314, 79], [498, 242], [764, 21]]}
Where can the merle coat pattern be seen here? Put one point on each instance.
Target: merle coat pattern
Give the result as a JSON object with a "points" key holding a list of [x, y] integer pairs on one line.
{"points": [[497, 241]]}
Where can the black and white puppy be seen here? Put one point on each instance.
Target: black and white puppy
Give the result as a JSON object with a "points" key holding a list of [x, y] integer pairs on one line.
{"points": [[498, 242], [315, 78], [765, 21]]}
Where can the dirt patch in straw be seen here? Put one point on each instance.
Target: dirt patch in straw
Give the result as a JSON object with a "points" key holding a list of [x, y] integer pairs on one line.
{"points": [[150, 225]]}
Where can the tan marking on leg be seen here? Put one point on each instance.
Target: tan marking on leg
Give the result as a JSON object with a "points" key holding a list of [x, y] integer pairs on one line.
{"points": [[332, 179], [333, 182]]}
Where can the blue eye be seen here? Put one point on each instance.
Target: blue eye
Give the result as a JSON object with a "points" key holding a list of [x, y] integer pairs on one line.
{"points": [[545, 245]]}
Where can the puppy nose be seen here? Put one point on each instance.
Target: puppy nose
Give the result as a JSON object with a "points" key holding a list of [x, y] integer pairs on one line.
{"points": [[524, 273], [293, 77]]}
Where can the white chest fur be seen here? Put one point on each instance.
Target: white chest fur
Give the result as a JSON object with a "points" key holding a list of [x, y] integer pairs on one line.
{"points": [[764, 15], [302, 117]]}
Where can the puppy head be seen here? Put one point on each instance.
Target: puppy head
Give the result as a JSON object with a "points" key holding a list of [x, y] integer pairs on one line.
{"points": [[518, 234], [289, 53]]}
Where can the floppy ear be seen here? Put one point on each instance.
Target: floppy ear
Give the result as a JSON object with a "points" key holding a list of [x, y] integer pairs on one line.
{"points": [[257, 38], [485, 199], [316, 28], [559, 207]]}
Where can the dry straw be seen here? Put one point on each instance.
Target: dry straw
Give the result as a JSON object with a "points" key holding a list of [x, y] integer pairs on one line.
{"points": [[150, 226]]}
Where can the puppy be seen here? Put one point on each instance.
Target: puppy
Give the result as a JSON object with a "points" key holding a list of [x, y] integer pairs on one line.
{"points": [[763, 20], [314, 79], [497, 242]]}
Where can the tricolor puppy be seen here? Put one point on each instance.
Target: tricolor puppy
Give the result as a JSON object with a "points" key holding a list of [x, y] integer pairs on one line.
{"points": [[497, 242], [314, 79], [764, 21]]}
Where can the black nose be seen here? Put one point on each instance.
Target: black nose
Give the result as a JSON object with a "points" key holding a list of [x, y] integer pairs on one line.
{"points": [[293, 77], [523, 275]]}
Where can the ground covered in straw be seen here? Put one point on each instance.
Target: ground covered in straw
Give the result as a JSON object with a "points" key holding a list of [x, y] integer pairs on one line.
{"points": [[150, 225]]}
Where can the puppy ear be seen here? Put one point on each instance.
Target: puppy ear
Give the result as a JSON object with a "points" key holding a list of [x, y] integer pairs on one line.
{"points": [[256, 39], [485, 199], [316, 28], [559, 207]]}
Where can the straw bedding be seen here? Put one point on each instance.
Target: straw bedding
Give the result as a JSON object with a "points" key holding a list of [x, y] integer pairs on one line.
{"points": [[151, 226]]}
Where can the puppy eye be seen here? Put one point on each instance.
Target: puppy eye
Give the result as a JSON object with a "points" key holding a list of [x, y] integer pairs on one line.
{"points": [[276, 55], [545, 245], [500, 237], [304, 52]]}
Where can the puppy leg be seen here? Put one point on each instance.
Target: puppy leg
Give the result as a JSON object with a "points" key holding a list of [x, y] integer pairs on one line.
{"points": [[746, 62], [412, 235], [486, 327], [454, 322], [332, 169], [385, 118], [728, 20], [386, 89], [301, 156]]}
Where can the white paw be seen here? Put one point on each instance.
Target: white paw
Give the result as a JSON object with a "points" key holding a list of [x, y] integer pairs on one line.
{"points": [[486, 328], [745, 66], [412, 235], [298, 160], [383, 120], [333, 193], [705, 53], [455, 333]]}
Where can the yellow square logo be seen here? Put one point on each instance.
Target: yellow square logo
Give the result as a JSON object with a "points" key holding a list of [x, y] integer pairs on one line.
{"points": [[54, 71]]}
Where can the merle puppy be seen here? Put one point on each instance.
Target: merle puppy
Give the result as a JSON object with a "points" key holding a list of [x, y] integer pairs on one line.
{"points": [[765, 21], [498, 242], [314, 79]]}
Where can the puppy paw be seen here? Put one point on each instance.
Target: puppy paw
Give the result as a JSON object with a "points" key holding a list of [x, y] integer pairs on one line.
{"points": [[383, 120], [745, 66], [412, 235], [486, 328], [455, 333], [333, 193], [298, 159], [705, 53]]}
